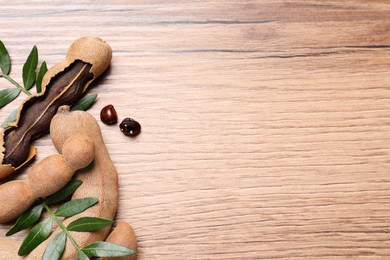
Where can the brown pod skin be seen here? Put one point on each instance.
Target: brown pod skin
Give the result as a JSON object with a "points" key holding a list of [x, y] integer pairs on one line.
{"points": [[87, 58]]}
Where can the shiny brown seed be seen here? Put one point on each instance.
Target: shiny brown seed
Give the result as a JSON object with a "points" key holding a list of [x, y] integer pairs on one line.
{"points": [[130, 127], [108, 115]]}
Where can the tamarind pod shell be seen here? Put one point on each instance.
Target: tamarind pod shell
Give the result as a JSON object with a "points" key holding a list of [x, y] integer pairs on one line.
{"points": [[123, 234], [89, 50]]}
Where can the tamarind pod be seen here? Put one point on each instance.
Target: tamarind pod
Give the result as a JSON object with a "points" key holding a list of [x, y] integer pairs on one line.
{"points": [[123, 234], [36, 112], [45, 178], [100, 180], [63, 84]]}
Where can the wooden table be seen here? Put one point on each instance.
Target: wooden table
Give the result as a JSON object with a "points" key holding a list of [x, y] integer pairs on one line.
{"points": [[265, 124]]}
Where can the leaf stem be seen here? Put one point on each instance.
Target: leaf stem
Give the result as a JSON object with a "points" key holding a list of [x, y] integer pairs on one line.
{"points": [[68, 234], [16, 84]]}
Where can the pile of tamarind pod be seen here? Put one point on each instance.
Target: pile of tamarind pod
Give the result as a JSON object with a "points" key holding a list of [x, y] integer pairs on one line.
{"points": [[77, 137]]}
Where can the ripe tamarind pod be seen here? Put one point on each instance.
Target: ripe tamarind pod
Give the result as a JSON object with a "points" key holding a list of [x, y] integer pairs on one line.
{"points": [[45, 178], [100, 180], [63, 84]]}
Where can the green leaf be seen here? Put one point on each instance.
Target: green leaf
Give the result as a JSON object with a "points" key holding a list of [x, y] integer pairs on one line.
{"points": [[74, 207], [85, 102], [36, 236], [81, 256], [29, 68], [7, 95], [101, 249], [41, 73], [64, 192], [10, 118], [86, 224], [55, 248], [5, 61], [26, 220]]}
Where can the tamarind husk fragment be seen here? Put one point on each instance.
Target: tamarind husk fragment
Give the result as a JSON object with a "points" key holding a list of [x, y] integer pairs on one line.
{"points": [[63, 84], [7, 169]]}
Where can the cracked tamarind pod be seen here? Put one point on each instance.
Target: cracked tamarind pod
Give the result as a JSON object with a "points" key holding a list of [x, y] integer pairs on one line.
{"points": [[63, 84]]}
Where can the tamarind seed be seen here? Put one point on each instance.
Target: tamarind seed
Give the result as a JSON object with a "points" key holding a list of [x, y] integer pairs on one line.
{"points": [[130, 127], [108, 115]]}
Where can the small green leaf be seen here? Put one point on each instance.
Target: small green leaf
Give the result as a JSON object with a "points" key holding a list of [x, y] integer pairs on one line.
{"points": [[64, 192], [5, 61], [55, 248], [29, 68], [86, 224], [10, 119], [41, 73], [7, 95], [81, 256], [26, 220], [74, 207], [102, 249], [36, 236], [85, 102]]}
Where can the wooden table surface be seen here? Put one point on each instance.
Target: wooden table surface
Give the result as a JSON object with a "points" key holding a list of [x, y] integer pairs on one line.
{"points": [[265, 124]]}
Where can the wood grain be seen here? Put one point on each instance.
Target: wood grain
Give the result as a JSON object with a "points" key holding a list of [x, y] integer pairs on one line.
{"points": [[265, 124]]}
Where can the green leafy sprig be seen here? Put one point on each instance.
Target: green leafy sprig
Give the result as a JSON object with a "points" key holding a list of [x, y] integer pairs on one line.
{"points": [[29, 75], [30, 78], [55, 248]]}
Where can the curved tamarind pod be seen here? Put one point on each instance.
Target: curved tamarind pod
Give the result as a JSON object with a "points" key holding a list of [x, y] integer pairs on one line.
{"points": [[123, 234], [100, 180], [63, 84], [45, 178]]}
